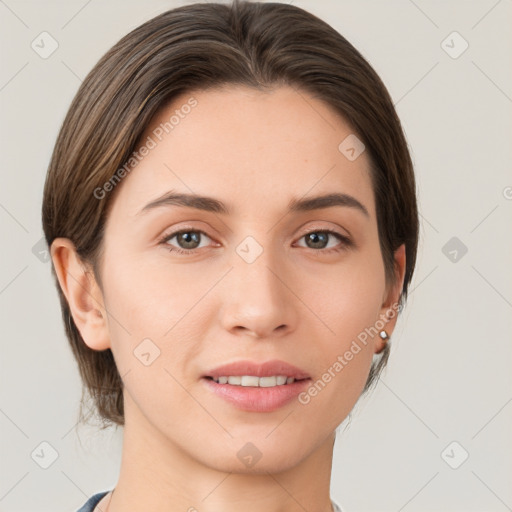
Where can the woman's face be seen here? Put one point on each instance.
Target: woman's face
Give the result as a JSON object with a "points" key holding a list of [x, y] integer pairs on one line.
{"points": [[260, 281]]}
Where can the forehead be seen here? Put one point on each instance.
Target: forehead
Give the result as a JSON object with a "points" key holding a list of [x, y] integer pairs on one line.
{"points": [[248, 148]]}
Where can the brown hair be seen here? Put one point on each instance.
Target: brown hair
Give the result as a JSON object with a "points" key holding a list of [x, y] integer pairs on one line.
{"points": [[196, 47]]}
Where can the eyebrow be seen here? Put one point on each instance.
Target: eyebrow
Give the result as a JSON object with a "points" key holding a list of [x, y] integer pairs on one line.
{"points": [[211, 204]]}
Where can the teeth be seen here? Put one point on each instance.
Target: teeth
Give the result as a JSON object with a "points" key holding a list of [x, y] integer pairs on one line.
{"points": [[250, 380]]}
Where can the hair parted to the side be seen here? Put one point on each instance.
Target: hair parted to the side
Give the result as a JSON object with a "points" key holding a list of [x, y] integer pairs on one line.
{"points": [[192, 48]]}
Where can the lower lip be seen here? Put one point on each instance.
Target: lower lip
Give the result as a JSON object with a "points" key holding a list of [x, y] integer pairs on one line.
{"points": [[256, 399]]}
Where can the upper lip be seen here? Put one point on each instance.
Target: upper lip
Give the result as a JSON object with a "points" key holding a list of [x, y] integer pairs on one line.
{"points": [[263, 369]]}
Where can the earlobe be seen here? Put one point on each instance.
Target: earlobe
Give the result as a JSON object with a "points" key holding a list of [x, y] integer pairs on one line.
{"points": [[389, 309], [82, 293]]}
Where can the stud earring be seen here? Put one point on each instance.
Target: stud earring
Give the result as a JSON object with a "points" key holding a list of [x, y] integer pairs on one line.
{"points": [[385, 337]]}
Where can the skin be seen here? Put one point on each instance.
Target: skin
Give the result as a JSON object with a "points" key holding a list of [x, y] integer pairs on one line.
{"points": [[254, 151]]}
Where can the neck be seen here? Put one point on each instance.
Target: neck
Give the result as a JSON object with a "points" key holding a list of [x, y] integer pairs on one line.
{"points": [[158, 475]]}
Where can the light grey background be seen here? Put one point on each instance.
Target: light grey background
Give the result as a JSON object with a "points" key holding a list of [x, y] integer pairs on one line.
{"points": [[449, 377]]}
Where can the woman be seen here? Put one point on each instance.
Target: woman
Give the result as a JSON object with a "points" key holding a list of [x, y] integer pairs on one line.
{"points": [[231, 212]]}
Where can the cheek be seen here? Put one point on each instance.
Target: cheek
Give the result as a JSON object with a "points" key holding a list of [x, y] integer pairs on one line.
{"points": [[350, 296], [152, 325], [149, 297], [344, 353], [147, 311], [348, 303]]}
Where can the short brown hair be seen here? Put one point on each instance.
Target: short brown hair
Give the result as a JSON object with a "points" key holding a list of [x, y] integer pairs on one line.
{"points": [[197, 47]]}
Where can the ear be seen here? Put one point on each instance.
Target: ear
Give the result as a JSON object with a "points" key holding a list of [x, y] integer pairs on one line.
{"points": [[83, 294], [389, 308]]}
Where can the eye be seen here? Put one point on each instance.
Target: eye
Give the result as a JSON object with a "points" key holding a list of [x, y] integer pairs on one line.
{"points": [[188, 238], [319, 239]]}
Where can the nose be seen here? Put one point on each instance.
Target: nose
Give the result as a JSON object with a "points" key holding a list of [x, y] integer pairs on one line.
{"points": [[257, 299]]}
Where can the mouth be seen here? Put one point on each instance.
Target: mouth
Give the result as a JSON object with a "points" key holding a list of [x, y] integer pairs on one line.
{"points": [[246, 372], [260, 399], [252, 381], [257, 387]]}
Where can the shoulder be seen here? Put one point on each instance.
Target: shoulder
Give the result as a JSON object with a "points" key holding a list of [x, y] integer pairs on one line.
{"points": [[89, 505]]}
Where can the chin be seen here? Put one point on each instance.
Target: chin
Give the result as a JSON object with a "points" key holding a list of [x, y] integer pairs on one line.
{"points": [[272, 463], [256, 454]]}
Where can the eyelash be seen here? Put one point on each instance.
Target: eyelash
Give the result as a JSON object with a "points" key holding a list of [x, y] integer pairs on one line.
{"points": [[345, 241]]}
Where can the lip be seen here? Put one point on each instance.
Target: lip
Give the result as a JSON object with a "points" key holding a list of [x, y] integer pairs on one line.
{"points": [[264, 369], [253, 398], [256, 399]]}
